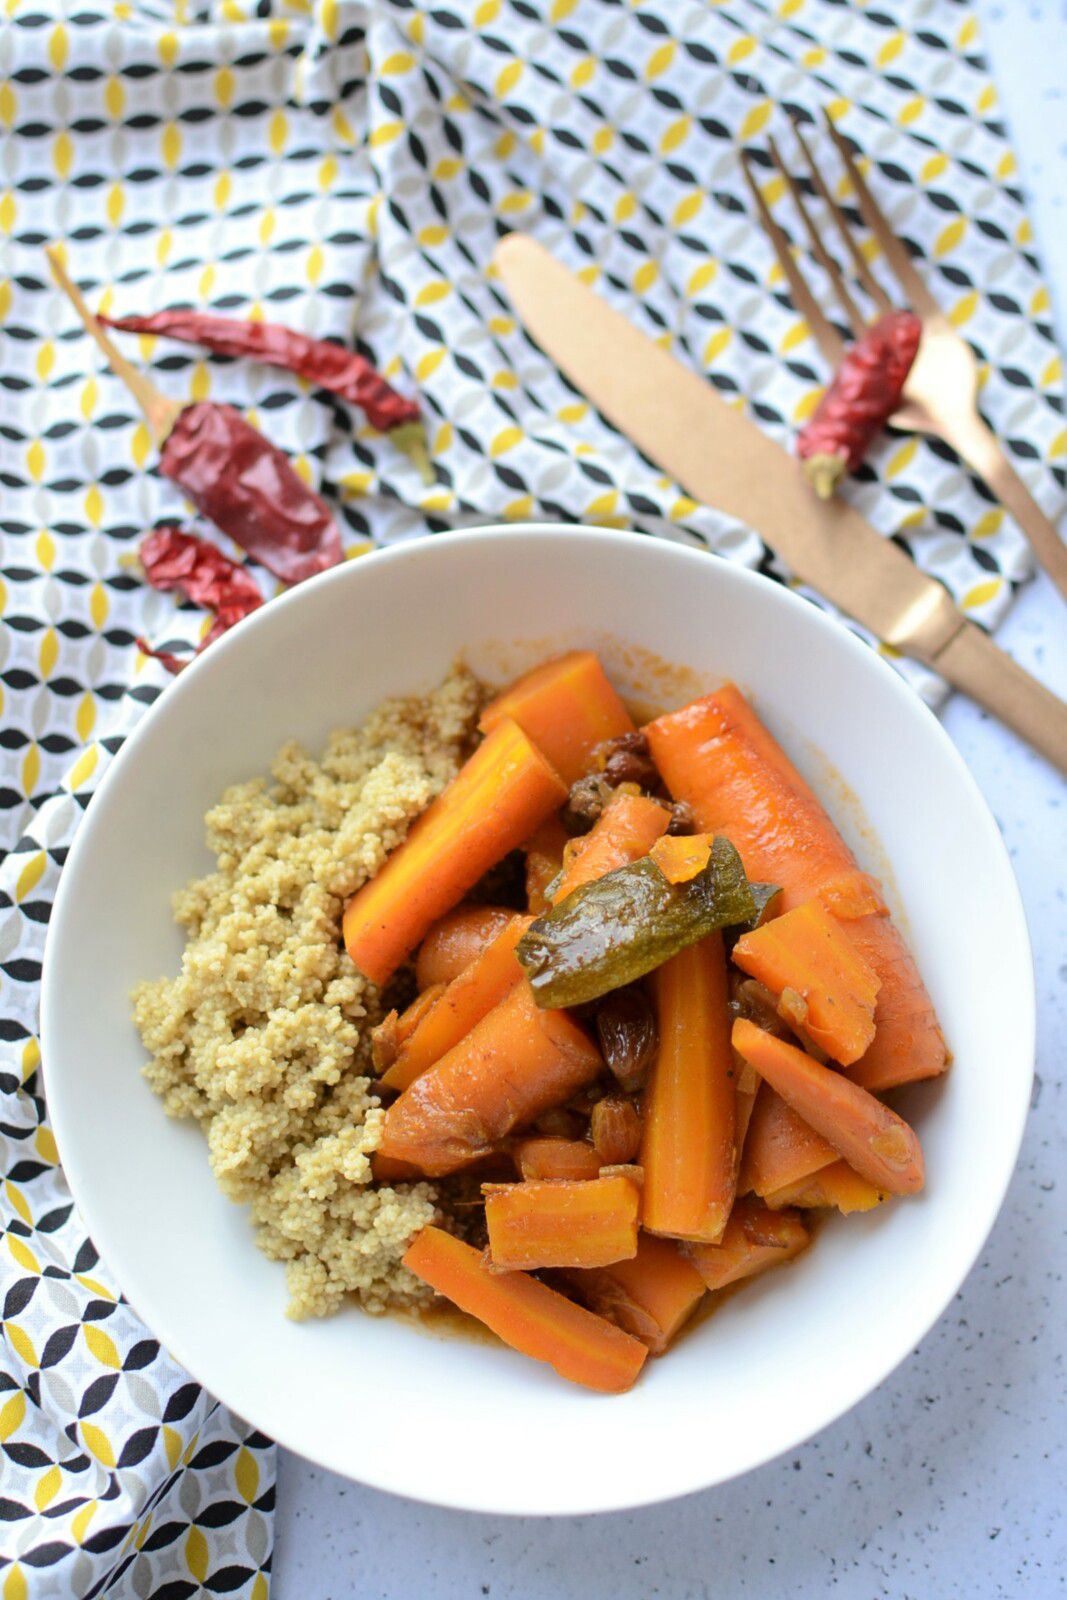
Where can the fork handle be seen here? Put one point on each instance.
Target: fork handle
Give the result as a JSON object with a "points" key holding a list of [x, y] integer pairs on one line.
{"points": [[977, 444], [972, 662]]}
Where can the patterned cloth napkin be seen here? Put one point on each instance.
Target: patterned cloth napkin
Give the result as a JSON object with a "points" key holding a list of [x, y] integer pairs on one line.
{"points": [[347, 167]]}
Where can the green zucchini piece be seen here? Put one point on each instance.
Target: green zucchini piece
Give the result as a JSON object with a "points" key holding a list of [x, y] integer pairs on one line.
{"points": [[612, 931]]}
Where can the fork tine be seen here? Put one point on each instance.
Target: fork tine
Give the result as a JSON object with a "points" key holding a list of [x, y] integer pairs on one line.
{"points": [[823, 332], [918, 295], [859, 260], [856, 320]]}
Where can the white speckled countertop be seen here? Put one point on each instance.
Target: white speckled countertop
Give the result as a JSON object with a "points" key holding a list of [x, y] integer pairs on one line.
{"points": [[949, 1481]]}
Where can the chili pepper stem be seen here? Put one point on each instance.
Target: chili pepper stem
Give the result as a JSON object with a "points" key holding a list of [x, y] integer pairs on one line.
{"points": [[160, 413], [824, 473]]}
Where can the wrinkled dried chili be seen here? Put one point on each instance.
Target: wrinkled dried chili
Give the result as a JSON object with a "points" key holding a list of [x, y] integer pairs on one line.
{"points": [[345, 372], [244, 484], [249, 488], [173, 560], [864, 393]]}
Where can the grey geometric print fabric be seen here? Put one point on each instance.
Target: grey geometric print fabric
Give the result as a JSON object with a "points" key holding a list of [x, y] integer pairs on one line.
{"points": [[347, 168]]}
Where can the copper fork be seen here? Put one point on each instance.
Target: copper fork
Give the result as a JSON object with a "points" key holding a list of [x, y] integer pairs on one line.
{"points": [[941, 394]]}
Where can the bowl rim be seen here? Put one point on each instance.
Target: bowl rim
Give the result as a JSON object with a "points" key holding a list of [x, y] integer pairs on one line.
{"points": [[109, 1241]]}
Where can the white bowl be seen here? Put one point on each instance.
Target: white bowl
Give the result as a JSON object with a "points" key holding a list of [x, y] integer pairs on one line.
{"points": [[436, 1417]]}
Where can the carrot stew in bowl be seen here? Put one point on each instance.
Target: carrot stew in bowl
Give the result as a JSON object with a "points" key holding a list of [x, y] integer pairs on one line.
{"points": [[678, 1046], [567, 1021]]}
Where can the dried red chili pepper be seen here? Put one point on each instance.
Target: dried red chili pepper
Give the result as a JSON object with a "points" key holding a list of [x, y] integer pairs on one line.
{"points": [[248, 487], [171, 559], [236, 477], [331, 366], [864, 393]]}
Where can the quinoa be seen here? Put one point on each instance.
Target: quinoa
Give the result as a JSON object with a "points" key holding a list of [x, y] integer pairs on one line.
{"points": [[264, 1035]]}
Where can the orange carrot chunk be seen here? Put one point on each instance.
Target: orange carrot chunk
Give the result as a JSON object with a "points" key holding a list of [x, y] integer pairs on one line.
{"points": [[683, 856], [625, 830], [528, 1315], [717, 755], [463, 1003], [874, 1141], [651, 1296], [544, 861], [780, 1149], [755, 1239], [515, 1063], [560, 1223], [457, 940], [567, 706], [495, 801], [393, 1032], [546, 1156], [688, 1149], [835, 1186], [808, 951]]}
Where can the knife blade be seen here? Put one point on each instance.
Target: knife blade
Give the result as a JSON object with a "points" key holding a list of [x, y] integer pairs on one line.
{"points": [[723, 459]]}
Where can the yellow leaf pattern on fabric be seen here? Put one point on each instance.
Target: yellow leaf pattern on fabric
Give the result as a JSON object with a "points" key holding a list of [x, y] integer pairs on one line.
{"points": [[31, 1060], [98, 1444], [902, 458], [988, 523], [950, 237], [83, 769], [15, 1585], [22, 1255], [48, 1486], [101, 1345], [981, 594], [17, 1201], [172, 1444], [504, 441], [196, 1554], [246, 1475], [45, 1144], [11, 1414], [31, 770], [21, 1343], [30, 876], [716, 345], [79, 1526]]}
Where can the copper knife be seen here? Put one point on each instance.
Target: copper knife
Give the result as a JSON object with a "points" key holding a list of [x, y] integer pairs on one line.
{"points": [[721, 458]]}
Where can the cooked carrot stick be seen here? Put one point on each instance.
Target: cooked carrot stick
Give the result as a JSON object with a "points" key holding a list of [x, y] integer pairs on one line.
{"points": [[716, 755], [807, 950], [625, 830], [780, 1149], [464, 1002], [755, 1238], [877, 1143], [682, 856], [544, 861], [528, 1315], [836, 1185], [615, 1129], [688, 1149], [567, 706], [651, 1297], [396, 1028], [495, 801], [545, 1156], [457, 940], [561, 1223], [514, 1064]]}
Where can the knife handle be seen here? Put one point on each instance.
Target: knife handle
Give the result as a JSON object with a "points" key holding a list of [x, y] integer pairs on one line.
{"points": [[973, 663]]}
